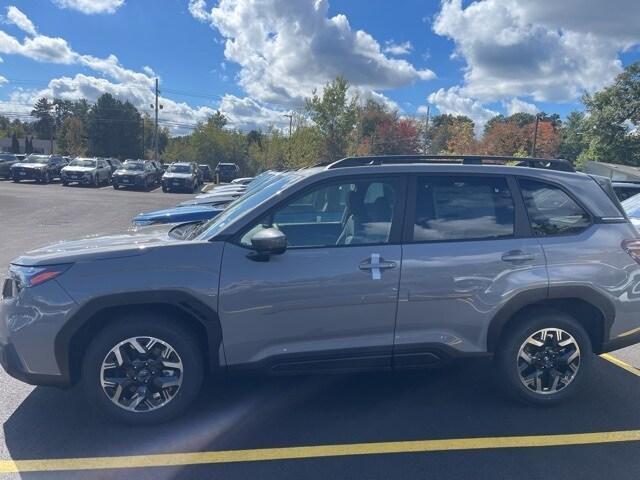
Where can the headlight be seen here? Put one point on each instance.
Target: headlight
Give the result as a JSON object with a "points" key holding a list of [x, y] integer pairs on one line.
{"points": [[32, 276]]}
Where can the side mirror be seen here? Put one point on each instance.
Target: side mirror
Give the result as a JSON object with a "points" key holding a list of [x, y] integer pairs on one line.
{"points": [[269, 241]]}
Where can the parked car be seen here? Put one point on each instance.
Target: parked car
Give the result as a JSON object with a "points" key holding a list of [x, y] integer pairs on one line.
{"points": [[625, 190], [207, 173], [194, 213], [41, 168], [483, 252], [135, 173], [86, 171], [180, 176], [114, 164], [632, 208], [159, 169], [6, 160], [226, 172]]}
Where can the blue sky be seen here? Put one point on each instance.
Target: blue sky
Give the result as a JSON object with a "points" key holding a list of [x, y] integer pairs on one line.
{"points": [[257, 59]]}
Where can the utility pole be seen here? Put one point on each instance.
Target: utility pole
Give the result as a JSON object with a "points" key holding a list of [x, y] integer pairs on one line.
{"points": [[427, 147], [155, 136], [142, 156], [290, 117], [535, 136]]}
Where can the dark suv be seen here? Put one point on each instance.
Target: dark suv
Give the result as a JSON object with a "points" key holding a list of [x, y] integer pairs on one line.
{"points": [[41, 168], [225, 172], [367, 263], [6, 160], [138, 174]]}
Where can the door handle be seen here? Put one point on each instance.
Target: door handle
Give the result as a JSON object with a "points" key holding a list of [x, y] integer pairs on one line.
{"points": [[376, 265], [517, 256]]}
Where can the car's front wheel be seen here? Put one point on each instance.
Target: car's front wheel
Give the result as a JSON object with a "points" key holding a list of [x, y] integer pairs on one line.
{"points": [[544, 357], [143, 369]]}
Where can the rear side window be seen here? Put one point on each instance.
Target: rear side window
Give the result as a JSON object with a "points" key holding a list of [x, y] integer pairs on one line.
{"points": [[551, 210], [462, 208]]}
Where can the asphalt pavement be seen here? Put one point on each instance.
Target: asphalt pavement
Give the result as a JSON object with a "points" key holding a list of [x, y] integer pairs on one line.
{"points": [[450, 423]]}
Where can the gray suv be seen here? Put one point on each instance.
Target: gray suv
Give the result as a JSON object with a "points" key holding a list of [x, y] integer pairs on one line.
{"points": [[366, 263]]}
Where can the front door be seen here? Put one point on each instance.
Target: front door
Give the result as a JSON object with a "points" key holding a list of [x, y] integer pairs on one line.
{"points": [[329, 301]]}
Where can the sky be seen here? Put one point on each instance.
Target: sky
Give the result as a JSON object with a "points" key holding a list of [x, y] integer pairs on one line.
{"points": [[256, 60]]}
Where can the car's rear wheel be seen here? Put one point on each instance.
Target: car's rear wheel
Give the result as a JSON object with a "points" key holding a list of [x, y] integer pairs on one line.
{"points": [[165, 189], [116, 186], [143, 369], [545, 357]]}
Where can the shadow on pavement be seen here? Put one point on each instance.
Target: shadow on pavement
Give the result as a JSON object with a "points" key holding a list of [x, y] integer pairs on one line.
{"points": [[461, 400]]}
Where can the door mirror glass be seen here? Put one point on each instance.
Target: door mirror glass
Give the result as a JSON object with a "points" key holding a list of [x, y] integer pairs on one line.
{"points": [[269, 241]]}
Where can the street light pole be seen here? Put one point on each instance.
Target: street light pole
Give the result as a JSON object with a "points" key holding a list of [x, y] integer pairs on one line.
{"points": [[155, 136], [290, 117]]}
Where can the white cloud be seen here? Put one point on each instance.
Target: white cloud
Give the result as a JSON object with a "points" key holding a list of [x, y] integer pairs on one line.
{"points": [[393, 48], [515, 105], [549, 50], [40, 48], [90, 7], [3, 80], [286, 49], [245, 113], [453, 102], [198, 9], [20, 20]]}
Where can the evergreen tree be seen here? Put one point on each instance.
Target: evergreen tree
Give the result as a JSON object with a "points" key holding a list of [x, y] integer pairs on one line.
{"points": [[45, 123], [15, 145]]}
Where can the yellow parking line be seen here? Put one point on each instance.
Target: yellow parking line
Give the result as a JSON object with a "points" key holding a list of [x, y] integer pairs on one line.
{"points": [[620, 363], [290, 453]]}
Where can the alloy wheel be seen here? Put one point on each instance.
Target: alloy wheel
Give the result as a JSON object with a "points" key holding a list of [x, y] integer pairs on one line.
{"points": [[141, 374], [548, 361]]}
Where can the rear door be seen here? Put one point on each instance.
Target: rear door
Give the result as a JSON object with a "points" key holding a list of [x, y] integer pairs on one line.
{"points": [[468, 251], [329, 301]]}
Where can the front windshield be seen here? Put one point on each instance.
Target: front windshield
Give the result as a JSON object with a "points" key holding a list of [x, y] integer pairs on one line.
{"points": [[632, 206], [83, 163], [36, 159], [132, 166], [247, 202], [179, 169]]}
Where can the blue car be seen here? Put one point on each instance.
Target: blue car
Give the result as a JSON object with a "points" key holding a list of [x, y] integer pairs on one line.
{"points": [[194, 213]]}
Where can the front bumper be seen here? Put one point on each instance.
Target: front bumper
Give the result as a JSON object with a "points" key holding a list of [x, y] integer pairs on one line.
{"points": [[77, 178], [28, 174], [128, 181], [11, 364]]}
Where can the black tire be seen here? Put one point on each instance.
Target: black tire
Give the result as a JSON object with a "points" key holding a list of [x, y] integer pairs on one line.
{"points": [[116, 186], [16, 180], [165, 189], [95, 182], [46, 179], [181, 339], [508, 356], [65, 184]]}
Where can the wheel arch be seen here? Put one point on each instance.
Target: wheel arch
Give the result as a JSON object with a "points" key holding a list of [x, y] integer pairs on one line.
{"points": [[591, 308], [71, 342]]}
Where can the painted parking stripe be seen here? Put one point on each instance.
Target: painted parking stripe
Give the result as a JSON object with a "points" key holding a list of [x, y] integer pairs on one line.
{"points": [[620, 363], [319, 451]]}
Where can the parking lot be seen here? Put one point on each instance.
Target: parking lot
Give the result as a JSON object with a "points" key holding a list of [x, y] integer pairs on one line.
{"points": [[446, 423]]}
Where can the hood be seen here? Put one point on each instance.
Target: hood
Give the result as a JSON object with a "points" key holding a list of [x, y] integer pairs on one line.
{"points": [[176, 175], [210, 200], [99, 247], [29, 165], [120, 171], [78, 169], [178, 215], [222, 191]]}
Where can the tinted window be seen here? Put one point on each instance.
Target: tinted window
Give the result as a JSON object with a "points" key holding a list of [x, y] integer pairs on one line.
{"points": [[345, 213], [462, 208], [551, 210]]}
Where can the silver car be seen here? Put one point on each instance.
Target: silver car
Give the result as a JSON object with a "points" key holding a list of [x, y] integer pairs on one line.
{"points": [[367, 263]]}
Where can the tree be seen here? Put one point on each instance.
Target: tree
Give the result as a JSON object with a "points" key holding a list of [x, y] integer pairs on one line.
{"points": [[72, 138], [572, 137], [28, 145], [113, 128], [334, 115], [462, 140], [443, 127], [45, 124], [611, 127], [15, 145]]}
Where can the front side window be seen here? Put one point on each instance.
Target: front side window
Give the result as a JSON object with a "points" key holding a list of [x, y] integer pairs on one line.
{"points": [[551, 211], [342, 213], [462, 208]]}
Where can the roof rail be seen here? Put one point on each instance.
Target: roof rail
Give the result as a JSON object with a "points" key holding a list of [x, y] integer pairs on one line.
{"points": [[545, 163]]}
